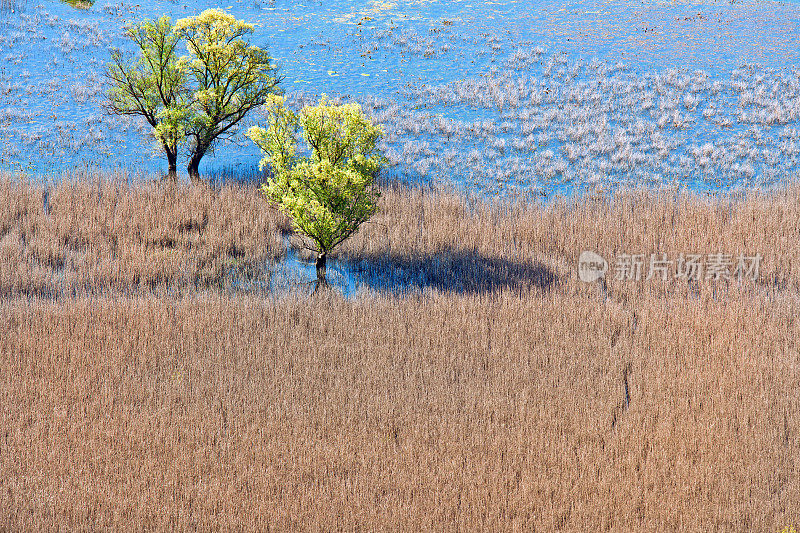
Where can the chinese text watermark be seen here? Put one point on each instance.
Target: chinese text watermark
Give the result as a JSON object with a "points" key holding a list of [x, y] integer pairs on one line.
{"points": [[688, 267]]}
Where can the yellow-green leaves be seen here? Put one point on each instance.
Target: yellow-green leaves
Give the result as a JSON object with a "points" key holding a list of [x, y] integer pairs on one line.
{"points": [[227, 75], [279, 140], [202, 95], [214, 25], [171, 127], [153, 86], [331, 192]]}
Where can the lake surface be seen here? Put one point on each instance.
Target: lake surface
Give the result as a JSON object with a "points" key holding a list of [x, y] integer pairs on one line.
{"points": [[508, 96]]}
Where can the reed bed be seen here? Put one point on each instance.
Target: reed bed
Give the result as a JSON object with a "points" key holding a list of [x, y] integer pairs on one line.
{"points": [[501, 401], [427, 228], [106, 235]]}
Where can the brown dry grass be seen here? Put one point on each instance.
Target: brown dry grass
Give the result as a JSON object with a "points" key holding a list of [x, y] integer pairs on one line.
{"points": [[501, 407], [419, 228], [105, 235]]}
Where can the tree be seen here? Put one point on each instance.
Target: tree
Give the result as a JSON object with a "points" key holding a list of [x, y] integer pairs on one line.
{"points": [[153, 86], [228, 77], [329, 194]]}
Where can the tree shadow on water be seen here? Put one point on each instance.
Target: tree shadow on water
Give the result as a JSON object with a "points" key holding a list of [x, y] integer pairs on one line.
{"points": [[247, 175], [451, 270]]}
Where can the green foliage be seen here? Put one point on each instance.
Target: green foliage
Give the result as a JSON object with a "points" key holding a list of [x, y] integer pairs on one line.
{"points": [[80, 4], [330, 193], [152, 86], [200, 96], [228, 76]]}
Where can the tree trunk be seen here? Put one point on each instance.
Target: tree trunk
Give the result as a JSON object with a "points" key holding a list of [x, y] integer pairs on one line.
{"points": [[194, 165], [194, 169], [172, 161], [322, 281]]}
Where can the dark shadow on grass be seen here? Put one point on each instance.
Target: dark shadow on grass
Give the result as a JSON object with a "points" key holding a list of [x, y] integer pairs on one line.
{"points": [[451, 270]]}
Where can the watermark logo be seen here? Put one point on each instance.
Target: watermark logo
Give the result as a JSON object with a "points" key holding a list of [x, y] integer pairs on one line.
{"points": [[591, 266], [688, 267]]}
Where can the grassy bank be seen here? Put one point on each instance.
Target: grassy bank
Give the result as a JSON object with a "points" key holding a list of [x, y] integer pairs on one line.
{"points": [[502, 393]]}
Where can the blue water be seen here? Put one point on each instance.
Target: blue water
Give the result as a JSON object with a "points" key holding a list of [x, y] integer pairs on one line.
{"points": [[509, 97], [529, 97]]}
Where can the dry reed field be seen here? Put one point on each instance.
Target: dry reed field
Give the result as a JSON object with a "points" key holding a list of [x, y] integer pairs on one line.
{"points": [[102, 235], [501, 393]]}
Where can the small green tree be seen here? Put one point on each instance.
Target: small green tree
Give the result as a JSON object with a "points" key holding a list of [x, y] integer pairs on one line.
{"points": [[153, 86], [329, 194], [228, 77]]}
